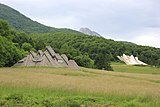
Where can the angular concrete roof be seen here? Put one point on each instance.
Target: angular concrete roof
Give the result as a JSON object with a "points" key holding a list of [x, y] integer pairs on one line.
{"points": [[49, 58]]}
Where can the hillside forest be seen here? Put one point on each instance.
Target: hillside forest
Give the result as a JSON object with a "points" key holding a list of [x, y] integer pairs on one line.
{"points": [[87, 51]]}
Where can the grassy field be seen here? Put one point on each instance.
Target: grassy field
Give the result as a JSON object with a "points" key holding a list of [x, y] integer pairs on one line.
{"points": [[121, 67], [63, 87]]}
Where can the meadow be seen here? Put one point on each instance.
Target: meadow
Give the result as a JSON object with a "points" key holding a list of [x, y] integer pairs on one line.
{"points": [[63, 87], [121, 67]]}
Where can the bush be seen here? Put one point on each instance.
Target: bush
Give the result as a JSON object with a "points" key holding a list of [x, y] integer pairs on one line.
{"points": [[9, 53], [26, 46]]}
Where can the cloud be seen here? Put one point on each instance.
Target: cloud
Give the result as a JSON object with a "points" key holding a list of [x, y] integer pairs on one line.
{"points": [[126, 20], [148, 40], [61, 21]]}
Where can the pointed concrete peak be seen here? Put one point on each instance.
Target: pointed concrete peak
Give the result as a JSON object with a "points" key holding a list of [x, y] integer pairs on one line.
{"points": [[32, 52], [39, 51], [50, 50], [49, 47], [63, 55]]}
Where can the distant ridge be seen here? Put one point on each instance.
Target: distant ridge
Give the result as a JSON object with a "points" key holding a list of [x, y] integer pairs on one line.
{"points": [[22, 23], [89, 32]]}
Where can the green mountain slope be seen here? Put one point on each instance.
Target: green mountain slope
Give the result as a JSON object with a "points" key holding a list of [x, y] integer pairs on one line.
{"points": [[23, 23]]}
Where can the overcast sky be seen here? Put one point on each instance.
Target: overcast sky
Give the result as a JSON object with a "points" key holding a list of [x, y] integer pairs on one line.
{"points": [[136, 21]]}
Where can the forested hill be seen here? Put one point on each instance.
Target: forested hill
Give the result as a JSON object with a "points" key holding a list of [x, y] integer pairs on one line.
{"points": [[88, 51], [23, 23], [95, 51]]}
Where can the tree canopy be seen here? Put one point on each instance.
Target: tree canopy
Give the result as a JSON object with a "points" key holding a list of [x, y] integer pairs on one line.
{"points": [[87, 51], [99, 50], [10, 46]]}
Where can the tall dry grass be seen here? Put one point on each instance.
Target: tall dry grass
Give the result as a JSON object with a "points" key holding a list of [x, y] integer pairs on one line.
{"points": [[85, 80]]}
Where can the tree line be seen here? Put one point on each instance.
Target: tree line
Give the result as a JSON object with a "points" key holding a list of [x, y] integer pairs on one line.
{"points": [[87, 51], [93, 51], [13, 45]]}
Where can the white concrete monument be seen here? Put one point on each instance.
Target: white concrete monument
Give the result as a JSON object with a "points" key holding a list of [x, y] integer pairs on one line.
{"points": [[131, 60]]}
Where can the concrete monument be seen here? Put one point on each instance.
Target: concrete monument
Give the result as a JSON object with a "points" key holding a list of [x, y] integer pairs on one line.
{"points": [[131, 60], [47, 58]]}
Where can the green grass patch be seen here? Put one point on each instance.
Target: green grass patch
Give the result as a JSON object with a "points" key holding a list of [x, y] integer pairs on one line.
{"points": [[27, 97], [121, 67]]}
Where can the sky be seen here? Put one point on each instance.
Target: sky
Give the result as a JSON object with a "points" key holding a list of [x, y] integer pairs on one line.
{"points": [[136, 21]]}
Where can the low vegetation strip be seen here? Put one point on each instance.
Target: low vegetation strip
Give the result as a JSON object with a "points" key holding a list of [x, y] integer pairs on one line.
{"points": [[120, 67], [40, 97]]}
